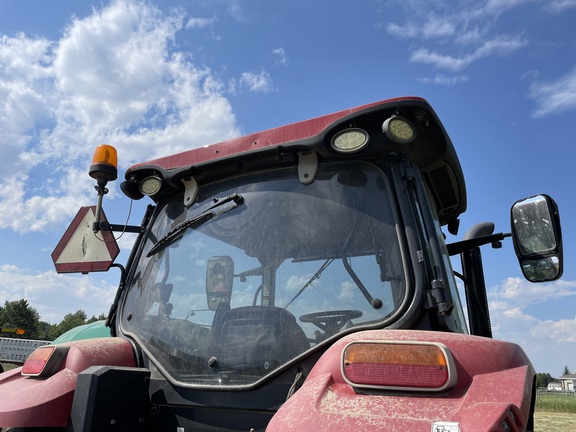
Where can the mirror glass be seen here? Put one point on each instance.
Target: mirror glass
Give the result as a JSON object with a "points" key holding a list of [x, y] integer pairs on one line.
{"points": [[537, 238], [533, 226], [541, 270], [219, 274]]}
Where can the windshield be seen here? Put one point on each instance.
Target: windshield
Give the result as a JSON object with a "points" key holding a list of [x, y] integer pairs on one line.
{"points": [[232, 297]]}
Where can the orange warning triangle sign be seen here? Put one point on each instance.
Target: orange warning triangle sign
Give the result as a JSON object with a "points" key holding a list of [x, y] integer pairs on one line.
{"points": [[81, 250]]}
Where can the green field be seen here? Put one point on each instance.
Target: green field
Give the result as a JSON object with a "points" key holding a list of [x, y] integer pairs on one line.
{"points": [[8, 366], [560, 403], [554, 422], [555, 413]]}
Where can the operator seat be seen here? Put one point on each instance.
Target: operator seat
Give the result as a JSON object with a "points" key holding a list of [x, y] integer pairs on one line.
{"points": [[257, 337]]}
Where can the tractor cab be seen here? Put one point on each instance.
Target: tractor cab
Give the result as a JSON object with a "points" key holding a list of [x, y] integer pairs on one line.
{"points": [[262, 269], [294, 279]]}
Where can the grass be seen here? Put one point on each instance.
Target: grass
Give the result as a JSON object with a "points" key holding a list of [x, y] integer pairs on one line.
{"points": [[554, 422], [8, 366], [559, 403]]}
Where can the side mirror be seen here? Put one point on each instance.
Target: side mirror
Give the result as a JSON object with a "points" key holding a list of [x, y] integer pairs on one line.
{"points": [[219, 275], [537, 238]]}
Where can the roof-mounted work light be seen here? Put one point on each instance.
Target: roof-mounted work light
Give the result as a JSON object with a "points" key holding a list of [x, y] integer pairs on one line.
{"points": [[151, 185], [350, 140], [399, 130]]}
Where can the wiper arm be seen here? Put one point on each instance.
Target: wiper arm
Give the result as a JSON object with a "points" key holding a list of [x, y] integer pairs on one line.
{"points": [[211, 212], [376, 303], [312, 279]]}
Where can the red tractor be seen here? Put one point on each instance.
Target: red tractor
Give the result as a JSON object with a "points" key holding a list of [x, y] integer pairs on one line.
{"points": [[295, 279]]}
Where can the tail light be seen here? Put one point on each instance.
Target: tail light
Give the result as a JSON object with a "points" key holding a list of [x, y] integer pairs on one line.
{"points": [[410, 366], [44, 361]]}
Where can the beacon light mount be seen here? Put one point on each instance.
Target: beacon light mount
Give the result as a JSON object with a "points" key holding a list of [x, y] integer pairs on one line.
{"points": [[104, 168]]}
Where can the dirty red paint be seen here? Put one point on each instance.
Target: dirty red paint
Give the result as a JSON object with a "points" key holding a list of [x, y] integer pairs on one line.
{"points": [[494, 379], [32, 402], [261, 140]]}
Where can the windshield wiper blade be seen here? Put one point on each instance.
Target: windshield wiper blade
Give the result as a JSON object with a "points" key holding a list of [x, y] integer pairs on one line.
{"points": [[211, 212]]}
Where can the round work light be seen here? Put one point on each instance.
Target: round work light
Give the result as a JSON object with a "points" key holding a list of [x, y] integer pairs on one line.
{"points": [[151, 185], [399, 130], [350, 140]]}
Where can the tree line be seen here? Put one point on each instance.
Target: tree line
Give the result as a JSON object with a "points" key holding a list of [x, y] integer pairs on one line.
{"points": [[543, 379], [19, 314]]}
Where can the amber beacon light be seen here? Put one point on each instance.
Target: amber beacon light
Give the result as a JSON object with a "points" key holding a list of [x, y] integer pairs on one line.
{"points": [[104, 166]]}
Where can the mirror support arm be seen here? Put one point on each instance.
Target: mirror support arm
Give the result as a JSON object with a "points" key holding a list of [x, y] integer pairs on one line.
{"points": [[472, 268], [465, 245], [105, 226], [121, 228]]}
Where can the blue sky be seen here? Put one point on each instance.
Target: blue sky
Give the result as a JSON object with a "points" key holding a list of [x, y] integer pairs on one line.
{"points": [[153, 78]]}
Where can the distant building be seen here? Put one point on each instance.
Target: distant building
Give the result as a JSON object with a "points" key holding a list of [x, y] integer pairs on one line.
{"points": [[568, 382], [555, 386]]}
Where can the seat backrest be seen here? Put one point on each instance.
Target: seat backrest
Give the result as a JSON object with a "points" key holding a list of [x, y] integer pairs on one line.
{"points": [[258, 337]]}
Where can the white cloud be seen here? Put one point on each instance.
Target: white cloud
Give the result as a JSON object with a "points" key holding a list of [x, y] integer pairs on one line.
{"points": [[562, 331], [114, 77], [438, 26], [445, 80], [557, 6], [23, 212], [51, 294], [236, 10], [473, 36], [260, 83], [553, 97], [442, 30], [280, 56], [522, 293], [25, 75], [500, 46], [406, 31], [195, 22], [296, 282], [496, 7], [550, 344], [110, 66], [348, 292]]}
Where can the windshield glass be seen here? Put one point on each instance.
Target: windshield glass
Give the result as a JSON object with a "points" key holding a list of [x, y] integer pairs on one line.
{"points": [[236, 295]]}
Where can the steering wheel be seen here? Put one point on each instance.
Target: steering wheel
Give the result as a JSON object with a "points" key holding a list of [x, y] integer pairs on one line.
{"points": [[331, 322]]}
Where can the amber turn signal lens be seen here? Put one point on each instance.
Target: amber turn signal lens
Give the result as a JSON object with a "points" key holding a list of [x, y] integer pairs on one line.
{"points": [[400, 366], [37, 361], [45, 360]]}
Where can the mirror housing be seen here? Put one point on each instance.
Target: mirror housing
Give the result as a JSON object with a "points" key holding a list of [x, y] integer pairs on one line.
{"points": [[219, 276], [537, 238]]}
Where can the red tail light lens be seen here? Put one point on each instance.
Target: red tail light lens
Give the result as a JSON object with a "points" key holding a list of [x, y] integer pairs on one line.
{"points": [[44, 361], [395, 365]]}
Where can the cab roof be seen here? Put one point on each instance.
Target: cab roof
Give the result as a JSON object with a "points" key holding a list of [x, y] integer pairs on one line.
{"points": [[432, 152]]}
